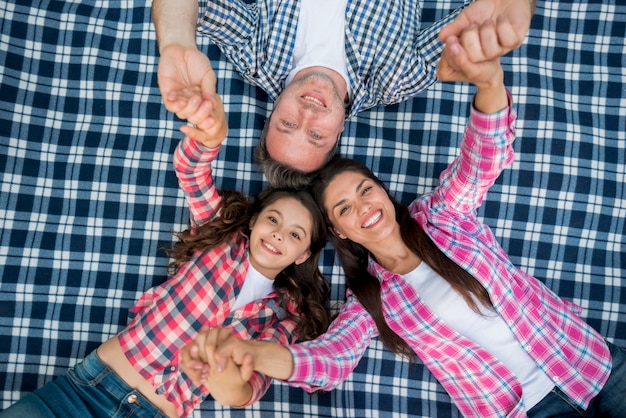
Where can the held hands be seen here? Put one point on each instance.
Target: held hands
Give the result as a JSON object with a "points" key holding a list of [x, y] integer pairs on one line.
{"points": [[488, 76], [188, 86], [456, 64], [500, 25], [227, 382]]}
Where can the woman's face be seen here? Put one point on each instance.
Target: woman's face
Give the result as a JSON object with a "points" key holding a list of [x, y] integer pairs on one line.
{"points": [[359, 209], [279, 236]]}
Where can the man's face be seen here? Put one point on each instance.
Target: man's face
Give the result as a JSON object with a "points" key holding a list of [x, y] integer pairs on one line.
{"points": [[306, 123]]}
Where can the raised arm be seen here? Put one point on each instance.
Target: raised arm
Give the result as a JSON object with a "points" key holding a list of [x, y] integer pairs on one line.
{"points": [[192, 161], [185, 76], [486, 146]]}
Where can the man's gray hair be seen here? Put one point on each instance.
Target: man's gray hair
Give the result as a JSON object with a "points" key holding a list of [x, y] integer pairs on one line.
{"points": [[280, 175]]}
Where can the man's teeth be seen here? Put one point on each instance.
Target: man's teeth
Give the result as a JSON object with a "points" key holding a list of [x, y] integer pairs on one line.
{"points": [[313, 99]]}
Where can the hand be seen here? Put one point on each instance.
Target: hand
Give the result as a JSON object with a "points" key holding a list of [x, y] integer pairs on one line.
{"points": [[190, 363], [227, 386], [186, 80], [456, 65], [188, 86], [488, 76], [502, 26], [219, 346], [212, 129]]}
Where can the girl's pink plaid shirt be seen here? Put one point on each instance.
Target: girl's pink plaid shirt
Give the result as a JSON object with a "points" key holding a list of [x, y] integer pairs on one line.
{"points": [[201, 293]]}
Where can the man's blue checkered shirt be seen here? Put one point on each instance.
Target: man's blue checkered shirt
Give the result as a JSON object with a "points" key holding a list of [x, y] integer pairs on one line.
{"points": [[389, 57]]}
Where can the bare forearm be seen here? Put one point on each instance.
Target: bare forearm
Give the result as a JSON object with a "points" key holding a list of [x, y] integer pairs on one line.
{"points": [[491, 97], [175, 22], [273, 360]]}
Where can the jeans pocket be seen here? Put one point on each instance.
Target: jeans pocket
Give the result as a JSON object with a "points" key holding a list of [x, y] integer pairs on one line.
{"points": [[88, 372]]}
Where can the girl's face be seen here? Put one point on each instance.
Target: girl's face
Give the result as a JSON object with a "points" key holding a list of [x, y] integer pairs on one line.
{"points": [[280, 235], [359, 209]]}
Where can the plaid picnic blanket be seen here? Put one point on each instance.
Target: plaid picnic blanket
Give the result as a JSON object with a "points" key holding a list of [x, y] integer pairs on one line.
{"points": [[88, 195]]}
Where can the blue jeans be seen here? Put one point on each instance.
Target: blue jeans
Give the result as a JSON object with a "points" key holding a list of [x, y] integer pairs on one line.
{"points": [[90, 389], [610, 402]]}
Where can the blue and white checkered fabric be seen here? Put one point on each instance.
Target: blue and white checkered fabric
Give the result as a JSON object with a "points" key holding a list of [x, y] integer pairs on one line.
{"points": [[88, 195]]}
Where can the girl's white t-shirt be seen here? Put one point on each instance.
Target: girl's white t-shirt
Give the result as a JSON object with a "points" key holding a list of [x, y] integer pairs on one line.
{"points": [[255, 286]]}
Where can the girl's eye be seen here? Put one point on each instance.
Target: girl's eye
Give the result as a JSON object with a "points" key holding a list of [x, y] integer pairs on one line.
{"points": [[295, 235], [272, 219]]}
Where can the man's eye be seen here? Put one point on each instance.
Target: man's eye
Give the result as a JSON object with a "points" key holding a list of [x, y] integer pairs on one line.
{"points": [[315, 135], [289, 124]]}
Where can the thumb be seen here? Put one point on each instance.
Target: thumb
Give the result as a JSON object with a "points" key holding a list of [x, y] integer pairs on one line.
{"points": [[246, 368], [453, 28]]}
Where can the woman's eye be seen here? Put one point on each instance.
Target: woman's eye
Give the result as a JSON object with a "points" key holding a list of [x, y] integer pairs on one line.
{"points": [[343, 210], [272, 219], [366, 190]]}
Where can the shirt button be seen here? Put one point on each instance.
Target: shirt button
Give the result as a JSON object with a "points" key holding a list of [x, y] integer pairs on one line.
{"points": [[173, 368], [556, 379], [527, 348]]}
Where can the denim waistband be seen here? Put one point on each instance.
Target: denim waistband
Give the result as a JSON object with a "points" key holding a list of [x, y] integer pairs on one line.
{"points": [[93, 371]]}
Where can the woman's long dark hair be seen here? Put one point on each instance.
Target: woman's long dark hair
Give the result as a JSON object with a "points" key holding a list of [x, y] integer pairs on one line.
{"points": [[354, 258], [304, 283]]}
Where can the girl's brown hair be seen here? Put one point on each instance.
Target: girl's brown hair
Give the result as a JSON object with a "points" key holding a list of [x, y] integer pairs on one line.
{"points": [[304, 283]]}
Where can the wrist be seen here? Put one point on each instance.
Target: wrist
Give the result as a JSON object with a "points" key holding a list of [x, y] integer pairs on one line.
{"points": [[180, 40]]}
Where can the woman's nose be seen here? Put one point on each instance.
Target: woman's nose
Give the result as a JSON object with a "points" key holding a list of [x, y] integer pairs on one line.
{"points": [[363, 208]]}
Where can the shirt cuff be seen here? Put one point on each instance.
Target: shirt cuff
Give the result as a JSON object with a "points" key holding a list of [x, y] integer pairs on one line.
{"points": [[493, 123]]}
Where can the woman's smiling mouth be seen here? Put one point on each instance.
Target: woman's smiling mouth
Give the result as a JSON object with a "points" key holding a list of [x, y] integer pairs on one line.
{"points": [[373, 219]]}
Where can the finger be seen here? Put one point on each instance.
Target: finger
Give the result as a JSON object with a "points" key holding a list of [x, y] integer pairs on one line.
{"points": [[470, 41], [509, 37], [191, 106], [208, 85], [205, 373], [448, 68], [202, 114], [210, 346], [246, 369], [200, 339], [224, 350], [454, 28], [489, 42]]}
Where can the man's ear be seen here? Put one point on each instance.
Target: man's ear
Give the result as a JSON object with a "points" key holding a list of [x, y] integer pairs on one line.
{"points": [[305, 256], [336, 233]]}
